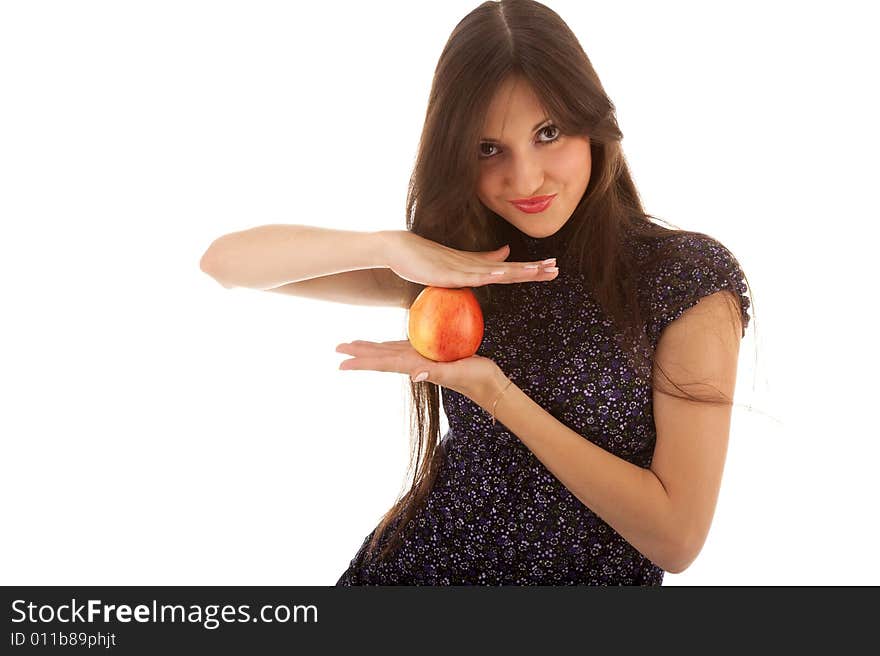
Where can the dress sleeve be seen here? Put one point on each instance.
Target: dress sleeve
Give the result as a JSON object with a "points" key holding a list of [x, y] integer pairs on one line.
{"points": [[697, 266]]}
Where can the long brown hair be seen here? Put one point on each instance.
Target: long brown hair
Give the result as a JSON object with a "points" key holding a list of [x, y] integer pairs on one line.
{"points": [[526, 39]]}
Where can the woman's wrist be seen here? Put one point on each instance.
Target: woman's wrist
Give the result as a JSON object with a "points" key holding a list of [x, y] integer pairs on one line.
{"points": [[384, 247], [494, 384]]}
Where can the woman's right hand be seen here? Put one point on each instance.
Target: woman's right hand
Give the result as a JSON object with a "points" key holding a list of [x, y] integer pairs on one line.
{"points": [[426, 262]]}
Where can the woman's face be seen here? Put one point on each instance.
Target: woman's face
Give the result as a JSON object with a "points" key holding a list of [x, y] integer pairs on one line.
{"points": [[521, 156]]}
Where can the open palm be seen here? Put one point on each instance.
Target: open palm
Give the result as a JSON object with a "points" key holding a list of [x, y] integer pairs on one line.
{"points": [[465, 375]]}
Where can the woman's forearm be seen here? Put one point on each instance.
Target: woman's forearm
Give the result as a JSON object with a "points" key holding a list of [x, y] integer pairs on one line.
{"points": [[627, 497], [268, 256]]}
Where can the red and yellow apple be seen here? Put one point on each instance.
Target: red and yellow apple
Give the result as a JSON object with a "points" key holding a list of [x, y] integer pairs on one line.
{"points": [[445, 324]]}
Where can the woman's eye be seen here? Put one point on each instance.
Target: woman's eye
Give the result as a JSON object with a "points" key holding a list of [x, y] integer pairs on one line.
{"points": [[549, 127], [485, 155]]}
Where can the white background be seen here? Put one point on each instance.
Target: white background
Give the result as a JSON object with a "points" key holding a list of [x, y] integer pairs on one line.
{"points": [[160, 429]]}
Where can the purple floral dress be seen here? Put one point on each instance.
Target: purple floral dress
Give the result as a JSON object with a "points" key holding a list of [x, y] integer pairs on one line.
{"points": [[496, 515]]}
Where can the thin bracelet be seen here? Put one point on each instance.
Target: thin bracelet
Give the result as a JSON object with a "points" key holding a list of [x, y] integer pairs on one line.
{"points": [[498, 397]]}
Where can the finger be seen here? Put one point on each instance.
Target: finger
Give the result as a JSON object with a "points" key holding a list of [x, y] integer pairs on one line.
{"points": [[359, 343], [527, 267], [359, 348], [398, 343], [363, 346], [395, 342], [518, 274], [499, 254], [369, 364], [543, 268]]}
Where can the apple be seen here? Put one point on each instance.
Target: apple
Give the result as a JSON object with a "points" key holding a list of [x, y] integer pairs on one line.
{"points": [[445, 324]]}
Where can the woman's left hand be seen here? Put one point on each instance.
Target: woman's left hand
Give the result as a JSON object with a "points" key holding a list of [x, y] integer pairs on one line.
{"points": [[476, 376]]}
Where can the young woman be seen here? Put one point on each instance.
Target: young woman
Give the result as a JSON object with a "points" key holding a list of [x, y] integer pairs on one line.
{"points": [[576, 451]]}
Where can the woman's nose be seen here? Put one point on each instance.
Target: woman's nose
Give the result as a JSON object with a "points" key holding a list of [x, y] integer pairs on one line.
{"points": [[526, 177]]}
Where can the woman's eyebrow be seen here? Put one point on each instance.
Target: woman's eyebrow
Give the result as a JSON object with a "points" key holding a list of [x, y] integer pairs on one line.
{"points": [[537, 125]]}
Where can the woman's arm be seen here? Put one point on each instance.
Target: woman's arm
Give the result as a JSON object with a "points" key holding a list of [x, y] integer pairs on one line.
{"points": [[628, 497], [268, 256], [665, 511]]}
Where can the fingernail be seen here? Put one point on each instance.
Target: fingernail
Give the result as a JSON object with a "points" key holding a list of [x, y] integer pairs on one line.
{"points": [[420, 377], [551, 269], [552, 260]]}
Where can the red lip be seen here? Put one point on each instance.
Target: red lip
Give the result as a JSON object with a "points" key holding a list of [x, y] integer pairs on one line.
{"points": [[532, 201], [542, 204]]}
